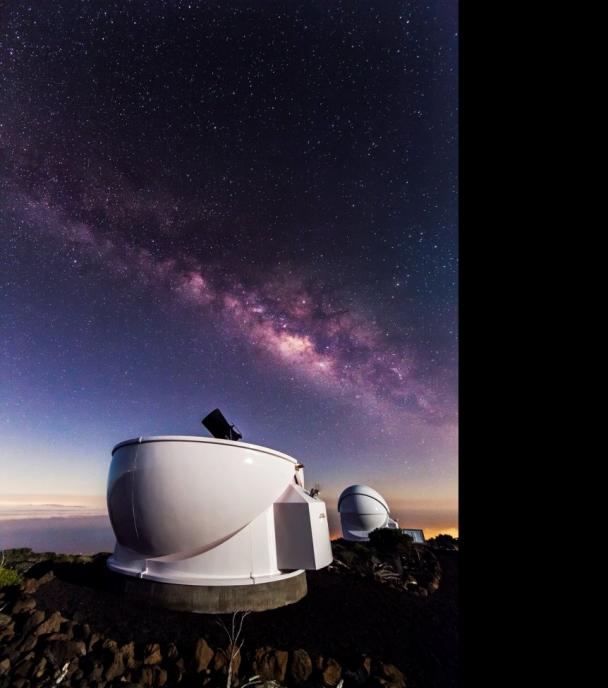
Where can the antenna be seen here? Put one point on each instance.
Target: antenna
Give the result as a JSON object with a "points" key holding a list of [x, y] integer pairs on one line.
{"points": [[219, 427], [315, 490]]}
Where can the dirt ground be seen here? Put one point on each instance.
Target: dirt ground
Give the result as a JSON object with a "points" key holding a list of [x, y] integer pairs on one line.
{"points": [[342, 617]]}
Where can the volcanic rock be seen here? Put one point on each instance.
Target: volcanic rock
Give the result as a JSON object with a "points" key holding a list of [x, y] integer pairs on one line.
{"points": [[31, 585], [128, 655], [113, 661], [7, 633], [93, 640], [152, 654], [270, 664], [24, 667], [332, 672], [33, 620], [145, 675], [221, 661], [172, 653], [58, 652], [40, 667], [203, 655], [301, 666], [392, 676], [161, 676], [24, 604], [28, 644], [51, 625]]}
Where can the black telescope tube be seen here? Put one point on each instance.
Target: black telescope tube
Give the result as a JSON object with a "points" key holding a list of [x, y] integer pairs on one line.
{"points": [[219, 427]]}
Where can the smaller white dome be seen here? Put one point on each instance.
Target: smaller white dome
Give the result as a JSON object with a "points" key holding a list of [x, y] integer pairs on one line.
{"points": [[362, 509], [362, 499]]}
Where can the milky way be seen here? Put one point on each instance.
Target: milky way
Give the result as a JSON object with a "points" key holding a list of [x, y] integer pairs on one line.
{"points": [[285, 172]]}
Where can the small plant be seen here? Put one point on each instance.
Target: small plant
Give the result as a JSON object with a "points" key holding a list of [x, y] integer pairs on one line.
{"points": [[234, 646], [8, 576]]}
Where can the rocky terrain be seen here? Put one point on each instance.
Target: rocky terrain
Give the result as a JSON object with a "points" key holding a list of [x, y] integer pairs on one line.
{"points": [[372, 619], [411, 568]]}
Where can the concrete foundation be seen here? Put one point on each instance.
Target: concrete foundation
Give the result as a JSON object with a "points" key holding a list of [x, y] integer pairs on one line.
{"points": [[218, 599]]}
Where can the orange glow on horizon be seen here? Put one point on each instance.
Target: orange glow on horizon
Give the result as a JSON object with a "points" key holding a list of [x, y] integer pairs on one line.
{"points": [[428, 532]]}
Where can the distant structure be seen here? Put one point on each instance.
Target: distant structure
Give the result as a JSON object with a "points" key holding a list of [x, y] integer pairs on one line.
{"points": [[417, 534], [362, 510], [213, 525]]}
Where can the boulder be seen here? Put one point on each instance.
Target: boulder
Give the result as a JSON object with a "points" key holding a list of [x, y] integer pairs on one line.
{"points": [[203, 655], [68, 628], [221, 660], [20, 683], [5, 666], [7, 633], [13, 651], [28, 644], [47, 578], [50, 625], [40, 667], [152, 654], [24, 604], [145, 676], [57, 636], [433, 586], [93, 640], [31, 585], [113, 661], [332, 673], [270, 664], [60, 652], [24, 667], [128, 655], [301, 666], [33, 620], [392, 677], [172, 653]]}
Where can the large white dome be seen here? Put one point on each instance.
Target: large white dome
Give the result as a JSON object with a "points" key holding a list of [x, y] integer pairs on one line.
{"points": [[208, 512], [185, 494], [363, 509]]}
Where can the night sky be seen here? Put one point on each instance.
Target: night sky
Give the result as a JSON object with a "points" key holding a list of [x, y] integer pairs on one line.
{"points": [[250, 205]]}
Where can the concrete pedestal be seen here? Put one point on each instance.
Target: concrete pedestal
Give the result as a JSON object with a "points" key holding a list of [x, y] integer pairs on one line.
{"points": [[219, 599]]}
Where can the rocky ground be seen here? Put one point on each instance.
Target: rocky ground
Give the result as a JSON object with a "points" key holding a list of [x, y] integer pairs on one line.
{"points": [[414, 568], [68, 624]]}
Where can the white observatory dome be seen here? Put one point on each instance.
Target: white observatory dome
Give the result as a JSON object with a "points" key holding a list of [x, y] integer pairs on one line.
{"points": [[200, 511], [362, 510]]}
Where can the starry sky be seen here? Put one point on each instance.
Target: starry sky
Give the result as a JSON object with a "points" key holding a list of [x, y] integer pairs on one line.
{"points": [[250, 205]]}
